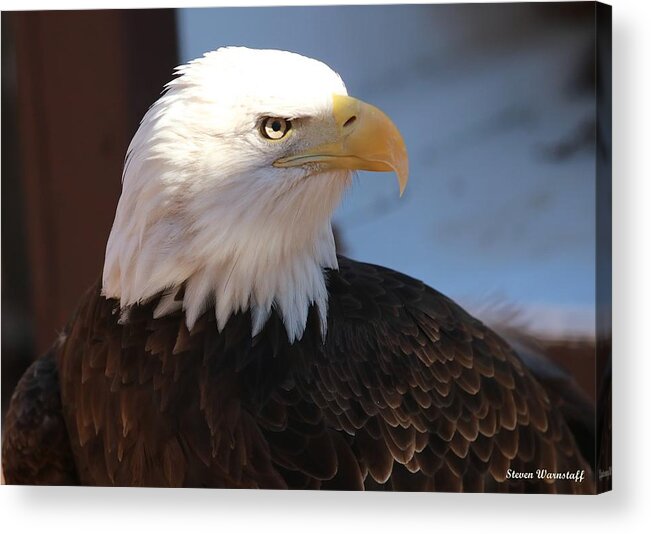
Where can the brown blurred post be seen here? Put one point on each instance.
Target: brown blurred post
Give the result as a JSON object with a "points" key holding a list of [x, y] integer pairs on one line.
{"points": [[84, 80]]}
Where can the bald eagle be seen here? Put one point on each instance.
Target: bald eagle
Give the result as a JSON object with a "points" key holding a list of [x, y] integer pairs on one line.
{"points": [[228, 345]]}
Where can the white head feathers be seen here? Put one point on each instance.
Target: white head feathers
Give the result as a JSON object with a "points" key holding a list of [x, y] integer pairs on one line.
{"points": [[202, 204]]}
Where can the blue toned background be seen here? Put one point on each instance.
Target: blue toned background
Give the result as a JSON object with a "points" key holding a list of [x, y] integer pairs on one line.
{"points": [[496, 105]]}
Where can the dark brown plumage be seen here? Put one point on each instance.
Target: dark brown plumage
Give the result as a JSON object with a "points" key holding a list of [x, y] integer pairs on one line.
{"points": [[407, 393]]}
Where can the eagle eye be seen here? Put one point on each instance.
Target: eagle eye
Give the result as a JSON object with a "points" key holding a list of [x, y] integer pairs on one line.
{"points": [[274, 127]]}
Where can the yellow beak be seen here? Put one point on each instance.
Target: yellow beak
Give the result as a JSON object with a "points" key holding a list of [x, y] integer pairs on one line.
{"points": [[363, 138]]}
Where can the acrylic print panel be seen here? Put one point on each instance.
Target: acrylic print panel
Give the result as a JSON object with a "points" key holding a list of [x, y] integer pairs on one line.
{"points": [[269, 313]]}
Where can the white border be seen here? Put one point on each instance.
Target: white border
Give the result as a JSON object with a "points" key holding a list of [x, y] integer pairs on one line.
{"points": [[98, 510]]}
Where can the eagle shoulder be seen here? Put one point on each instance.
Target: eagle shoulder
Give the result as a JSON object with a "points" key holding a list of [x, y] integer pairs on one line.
{"points": [[35, 446]]}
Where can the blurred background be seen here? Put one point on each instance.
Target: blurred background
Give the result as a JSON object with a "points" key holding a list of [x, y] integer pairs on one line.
{"points": [[496, 103]]}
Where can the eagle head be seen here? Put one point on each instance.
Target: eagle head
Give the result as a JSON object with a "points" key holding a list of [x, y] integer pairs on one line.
{"points": [[230, 183]]}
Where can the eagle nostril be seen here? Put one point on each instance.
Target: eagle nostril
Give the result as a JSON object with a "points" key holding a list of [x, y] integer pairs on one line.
{"points": [[350, 121]]}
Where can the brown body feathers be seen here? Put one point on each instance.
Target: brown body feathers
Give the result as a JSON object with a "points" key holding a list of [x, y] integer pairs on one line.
{"points": [[408, 392]]}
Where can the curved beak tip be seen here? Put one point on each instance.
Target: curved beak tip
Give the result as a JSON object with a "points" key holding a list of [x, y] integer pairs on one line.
{"points": [[403, 185], [402, 173]]}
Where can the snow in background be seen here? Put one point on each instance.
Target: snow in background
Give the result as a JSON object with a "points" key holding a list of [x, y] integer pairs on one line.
{"points": [[498, 120]]}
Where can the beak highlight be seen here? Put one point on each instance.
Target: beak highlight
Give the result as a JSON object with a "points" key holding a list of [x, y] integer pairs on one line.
{"points": [[365, 139]]}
